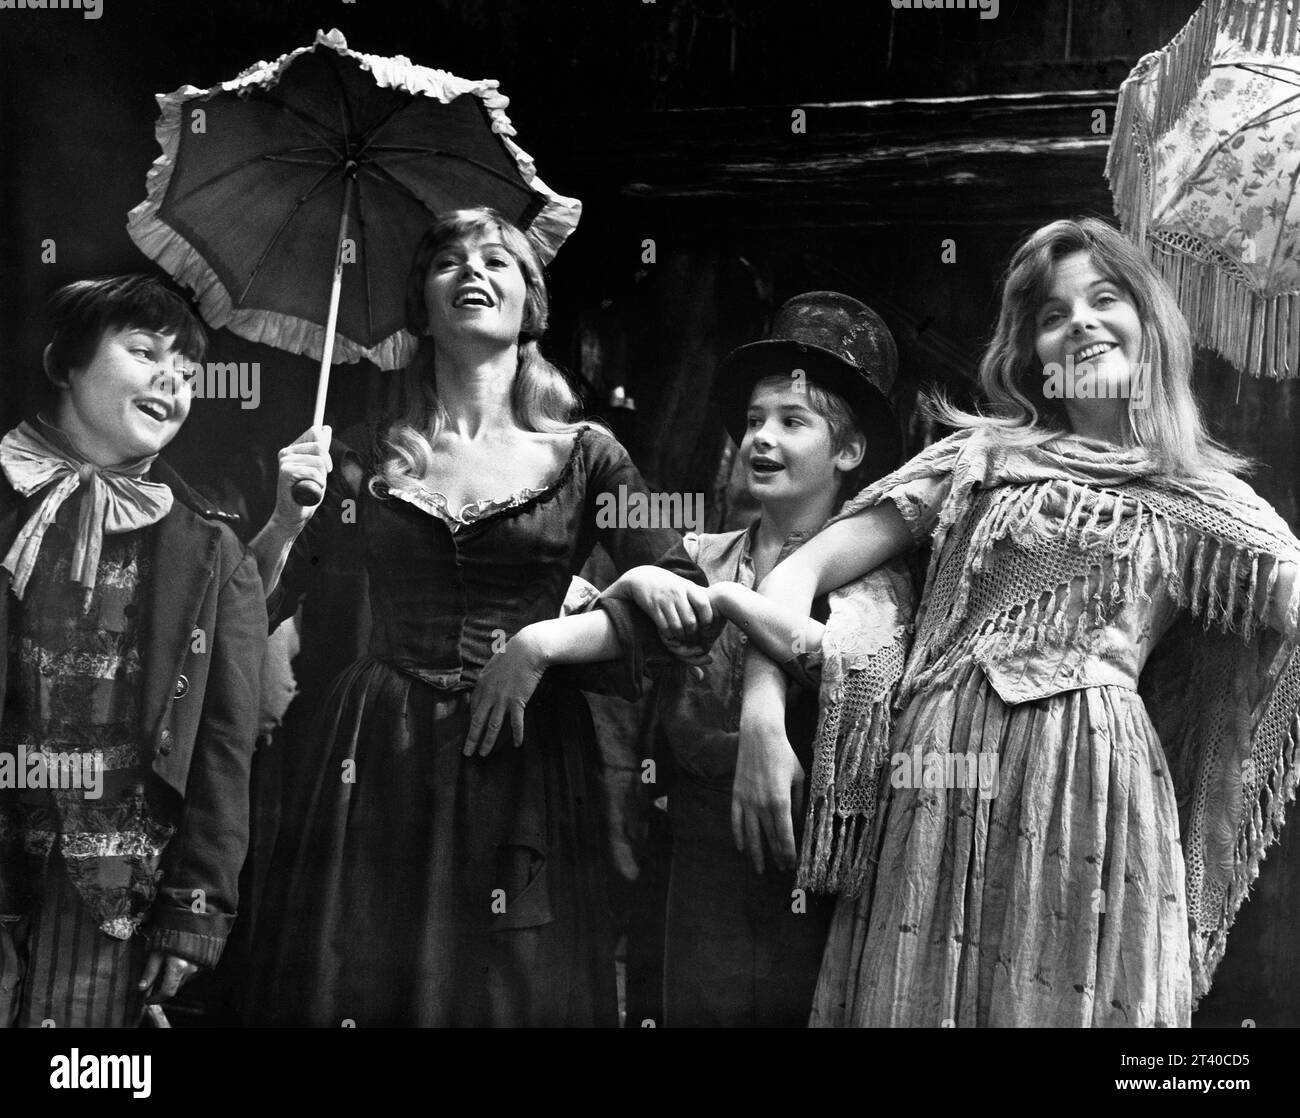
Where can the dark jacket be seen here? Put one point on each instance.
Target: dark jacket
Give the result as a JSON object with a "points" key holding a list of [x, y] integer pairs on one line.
{"points": [[201, 648]]}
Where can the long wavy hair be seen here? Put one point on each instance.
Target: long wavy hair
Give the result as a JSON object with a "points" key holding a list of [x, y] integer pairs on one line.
{"points": [[540, 397], [1167, 423]]}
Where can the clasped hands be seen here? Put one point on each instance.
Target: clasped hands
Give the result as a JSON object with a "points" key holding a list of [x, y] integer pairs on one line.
{"points": [[683, 612], [686, 615]]}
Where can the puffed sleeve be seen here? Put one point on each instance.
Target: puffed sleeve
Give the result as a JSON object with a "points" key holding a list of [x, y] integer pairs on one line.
{"points": [[919, 489], [919, 502], [613, 486], [918, 498]]}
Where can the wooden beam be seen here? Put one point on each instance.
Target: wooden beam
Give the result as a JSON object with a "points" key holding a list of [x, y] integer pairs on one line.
{"points": [[1011, 159]]}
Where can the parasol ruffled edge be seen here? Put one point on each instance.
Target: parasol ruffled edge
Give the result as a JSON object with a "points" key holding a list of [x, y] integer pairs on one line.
{"points": [[558, 217]]}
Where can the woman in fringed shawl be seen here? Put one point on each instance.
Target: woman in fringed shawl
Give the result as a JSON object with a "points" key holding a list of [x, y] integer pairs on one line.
{"points": [[1108, 628]]}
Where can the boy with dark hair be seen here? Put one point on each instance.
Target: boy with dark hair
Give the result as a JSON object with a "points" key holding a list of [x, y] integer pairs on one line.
{"points": [[132, 629]]}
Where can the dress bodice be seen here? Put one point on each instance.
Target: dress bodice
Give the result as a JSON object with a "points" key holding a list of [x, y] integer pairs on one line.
{"points": [[445, 593]]}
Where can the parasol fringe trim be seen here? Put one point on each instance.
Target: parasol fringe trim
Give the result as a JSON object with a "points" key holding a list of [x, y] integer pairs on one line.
{"points": [[1264, 25], [1185, 62], [1257, 334], [1128, 161]]}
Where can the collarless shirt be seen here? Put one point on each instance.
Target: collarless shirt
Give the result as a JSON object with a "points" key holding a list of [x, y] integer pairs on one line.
{"points": [[701, 718]]}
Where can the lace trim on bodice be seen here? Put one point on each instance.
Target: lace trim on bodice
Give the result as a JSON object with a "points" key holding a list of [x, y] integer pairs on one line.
{"points": [[435, 504]]}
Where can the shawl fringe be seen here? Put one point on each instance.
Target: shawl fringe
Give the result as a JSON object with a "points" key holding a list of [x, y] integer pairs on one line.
{"points": [[837, 840], [1222, 687], [864, 651]]}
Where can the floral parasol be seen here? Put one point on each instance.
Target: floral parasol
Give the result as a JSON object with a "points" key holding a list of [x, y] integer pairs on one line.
{"points": [[1203, 165]]}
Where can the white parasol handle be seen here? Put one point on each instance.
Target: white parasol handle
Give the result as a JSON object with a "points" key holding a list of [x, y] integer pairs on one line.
{"points": [[308, 492]]}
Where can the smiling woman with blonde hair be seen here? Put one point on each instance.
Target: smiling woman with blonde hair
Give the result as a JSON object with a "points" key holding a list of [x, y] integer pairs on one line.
{"points": [[443, 877], [541, 400], [1164, 417], [1109, 625]]}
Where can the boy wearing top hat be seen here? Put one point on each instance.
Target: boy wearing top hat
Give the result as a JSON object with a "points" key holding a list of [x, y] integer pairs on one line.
{"points": [[809, 410], [132, 631]]}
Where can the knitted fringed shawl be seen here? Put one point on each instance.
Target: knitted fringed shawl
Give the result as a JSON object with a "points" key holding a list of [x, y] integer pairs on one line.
{"points": [[1222, 687], [864, 650]]}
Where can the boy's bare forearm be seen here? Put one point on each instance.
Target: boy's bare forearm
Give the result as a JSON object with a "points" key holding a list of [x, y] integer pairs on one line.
{"points": [[789, 589], [775, 628], [841, 553], [764, 695]]}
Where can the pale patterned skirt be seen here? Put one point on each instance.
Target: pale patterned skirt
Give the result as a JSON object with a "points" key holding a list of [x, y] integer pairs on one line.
{"points": [[1059, 901]]}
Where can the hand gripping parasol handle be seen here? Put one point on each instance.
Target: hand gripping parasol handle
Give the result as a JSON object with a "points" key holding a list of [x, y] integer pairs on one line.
{"points": [[308, 492]]}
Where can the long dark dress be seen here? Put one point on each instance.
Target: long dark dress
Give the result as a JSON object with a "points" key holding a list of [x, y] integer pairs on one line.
{"points": [[427, 888]]}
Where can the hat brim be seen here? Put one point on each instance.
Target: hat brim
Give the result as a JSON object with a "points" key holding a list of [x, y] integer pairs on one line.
{"points": [[746, 365]]}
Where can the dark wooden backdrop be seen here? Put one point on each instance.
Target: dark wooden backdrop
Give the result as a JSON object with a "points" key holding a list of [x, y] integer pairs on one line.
{"points": [[672, 121]]}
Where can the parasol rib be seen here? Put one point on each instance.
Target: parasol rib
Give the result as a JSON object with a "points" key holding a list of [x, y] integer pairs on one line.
{"points": [[242, 165], [1190, 180], [394, 183], [1280, 116], [364, 259], [1262, 70], [311, 124], [302, 199], [368, 138], [420, 153], [300, 162], [344, 103]]}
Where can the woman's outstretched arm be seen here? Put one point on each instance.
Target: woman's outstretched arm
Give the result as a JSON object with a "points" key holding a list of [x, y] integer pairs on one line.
{"points": [[769, 779], [509, 679], [846, 550]]}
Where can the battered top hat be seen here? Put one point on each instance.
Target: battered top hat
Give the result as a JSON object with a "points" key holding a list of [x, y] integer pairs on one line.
{"points": [[839, 343]]}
